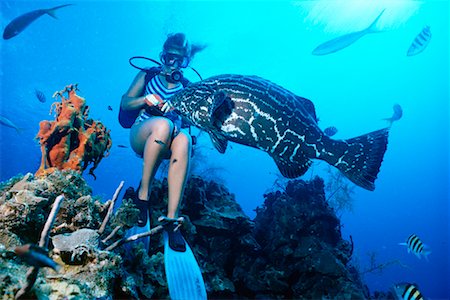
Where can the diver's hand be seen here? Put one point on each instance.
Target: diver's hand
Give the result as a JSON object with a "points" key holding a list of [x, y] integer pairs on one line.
{"points": [[167, 107], [153, 100]]}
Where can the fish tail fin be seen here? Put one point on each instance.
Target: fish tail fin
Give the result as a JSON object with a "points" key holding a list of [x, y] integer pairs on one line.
{"points": [[359, 158], [51, 11], [426, 251], [389, 120], [373, 27]]}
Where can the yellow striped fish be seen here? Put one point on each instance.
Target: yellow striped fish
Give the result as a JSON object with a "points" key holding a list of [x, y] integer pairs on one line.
{"points": [[420, 42], [407, 291], [416, 246]]}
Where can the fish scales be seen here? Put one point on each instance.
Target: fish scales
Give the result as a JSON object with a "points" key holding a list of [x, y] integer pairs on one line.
{"points": [[255, 112], [260, 102]]}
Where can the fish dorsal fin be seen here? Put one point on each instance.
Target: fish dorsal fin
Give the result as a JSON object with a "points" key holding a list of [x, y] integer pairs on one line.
{"points": [[220, 108], [308, 106], [51, 11], [293, 169], [373, 26], [219, 141]]}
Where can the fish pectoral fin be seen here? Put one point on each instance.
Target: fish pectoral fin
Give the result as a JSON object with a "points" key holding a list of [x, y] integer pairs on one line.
{"points": [[218, 99], [219, 141], [292, 169], [221, 107]]}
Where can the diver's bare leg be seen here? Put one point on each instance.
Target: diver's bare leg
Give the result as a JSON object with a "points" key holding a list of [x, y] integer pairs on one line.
{"points": [[178, 171], [156, 137], [152, 160]]}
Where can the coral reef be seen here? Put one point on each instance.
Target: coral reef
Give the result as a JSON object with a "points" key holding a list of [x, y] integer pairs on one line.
{"points": [[339, 191], [72, 141], [292, 249], [301, 242], [87, 271]]}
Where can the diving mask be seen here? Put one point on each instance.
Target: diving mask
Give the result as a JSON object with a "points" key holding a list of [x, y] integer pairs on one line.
{"points": [[172, 59]]}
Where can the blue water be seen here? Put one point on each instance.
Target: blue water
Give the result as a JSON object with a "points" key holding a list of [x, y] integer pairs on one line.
{"points": [[352, 89]]}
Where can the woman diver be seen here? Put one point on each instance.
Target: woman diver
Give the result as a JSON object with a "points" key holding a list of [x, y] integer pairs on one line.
{"points": [[156, 132]]}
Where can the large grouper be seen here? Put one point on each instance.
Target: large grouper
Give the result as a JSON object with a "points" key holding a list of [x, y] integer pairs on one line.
{"points": [[255, 112]]}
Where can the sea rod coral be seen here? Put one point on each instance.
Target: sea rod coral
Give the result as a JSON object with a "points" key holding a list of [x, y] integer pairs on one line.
{"points": [[71, 141]]}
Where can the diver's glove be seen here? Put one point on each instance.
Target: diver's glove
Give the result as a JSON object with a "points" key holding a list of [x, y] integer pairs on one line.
{"points": [[167, 107], [153, 100]]}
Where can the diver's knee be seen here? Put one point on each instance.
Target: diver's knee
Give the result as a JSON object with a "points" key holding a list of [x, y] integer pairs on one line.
{"points": [[185, 140], [182, 145], [163, 129]]}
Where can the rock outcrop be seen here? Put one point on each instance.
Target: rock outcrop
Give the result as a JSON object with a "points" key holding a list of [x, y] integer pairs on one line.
{"points": [[292, 249]]}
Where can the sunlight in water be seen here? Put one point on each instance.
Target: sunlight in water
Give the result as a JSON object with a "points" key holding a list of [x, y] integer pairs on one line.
{"points": [[351, 15]]}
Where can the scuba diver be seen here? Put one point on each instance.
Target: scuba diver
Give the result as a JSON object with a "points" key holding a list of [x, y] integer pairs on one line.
{"points": [[156, 135], [155, 130]]}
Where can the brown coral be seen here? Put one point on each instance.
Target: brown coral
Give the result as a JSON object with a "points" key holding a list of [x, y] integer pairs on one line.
{"points": [[72, 141]]}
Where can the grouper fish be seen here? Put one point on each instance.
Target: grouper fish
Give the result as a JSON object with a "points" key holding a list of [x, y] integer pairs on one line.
{"points": [[17, 25], [255, 112]]}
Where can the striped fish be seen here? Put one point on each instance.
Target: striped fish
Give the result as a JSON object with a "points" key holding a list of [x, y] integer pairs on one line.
{"points": [[255, 112], [40, 95], [416, 246], [407, 291], [420, 42]]}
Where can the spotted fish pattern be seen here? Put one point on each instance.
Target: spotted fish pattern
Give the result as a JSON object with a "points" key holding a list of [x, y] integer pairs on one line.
{"points": [[255, 112]]}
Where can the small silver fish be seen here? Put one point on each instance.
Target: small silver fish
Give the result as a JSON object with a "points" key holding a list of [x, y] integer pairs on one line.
{"points": [[17, 25], [397, 115], [36, 256], [5, 121], [407, 291], [346, 40], [416, 246], [420, 42]]}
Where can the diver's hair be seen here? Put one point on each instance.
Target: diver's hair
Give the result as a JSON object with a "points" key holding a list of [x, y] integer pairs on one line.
{"points": [[179, 42]]}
